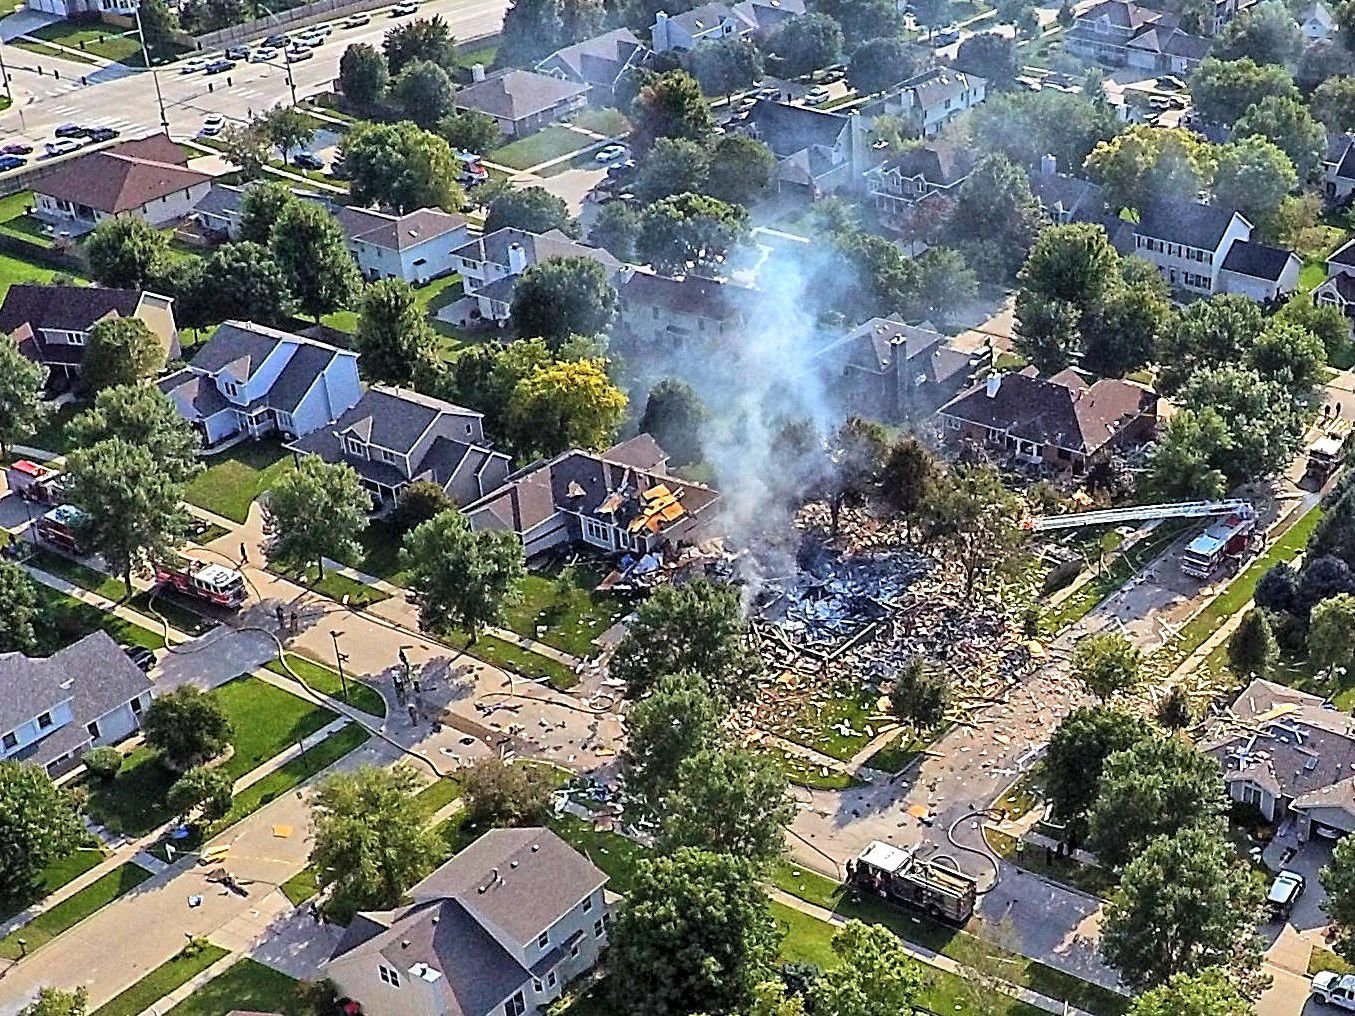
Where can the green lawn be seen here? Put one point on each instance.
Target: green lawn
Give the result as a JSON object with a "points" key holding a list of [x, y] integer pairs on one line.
{"points": [[63, 620], [897, 754], [818, 726], [72, 910], [335, 585], [483, 55], [101, 40], [233, 479], [54, 876], [432, 296], [43, 49], [77, 574], [323, 679], [168, 976], [16, 220], [607, 120], [380, 556], [15, 270], [562, 609], [804, 773], [613, 853], [301, 886], [1324, 959], [437, 795], [551, 142], [494, 650], [50, 434], [1087, 877], [175, 612], [1311, 275], [248, 986], [133, 801]]}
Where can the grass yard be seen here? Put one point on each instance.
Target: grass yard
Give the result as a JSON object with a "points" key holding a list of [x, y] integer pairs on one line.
{"points": [[16, 221], [1311, 275], [234, 478], [248, 986], [484, 55], [553, 142], [14, 270], [613, 853], [1023, 796], [1086, 877], [335, 585], [804, 773], [167, 977], [897, 754], [43, 49], [822, 726], [432, 296], [562, 609], [72, 910], [63, 620], [301, 886], [1324, 959], [133, 801], [380, 556], [608, 120], [54, 876], [50, 434], [437, 795], [323, 679], [77, 574], [494, 650], [98, 39]]}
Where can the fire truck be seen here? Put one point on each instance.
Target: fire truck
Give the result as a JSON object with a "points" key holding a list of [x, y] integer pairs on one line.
{"points": [[34, 482], [214, 583], [1228, 537], [1326, 454], [898, 875], [61, 527]]}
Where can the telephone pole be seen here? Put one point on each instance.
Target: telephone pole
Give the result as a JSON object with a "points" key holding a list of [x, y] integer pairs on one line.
{"points": [[155, 75]]}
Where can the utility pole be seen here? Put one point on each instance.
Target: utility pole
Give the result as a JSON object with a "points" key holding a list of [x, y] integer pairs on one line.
{"points": [[4, 74], [155, 75], [339, 658]]}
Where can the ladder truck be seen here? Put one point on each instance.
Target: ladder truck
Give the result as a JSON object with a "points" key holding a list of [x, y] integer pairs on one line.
{"points": [[898, 875]]}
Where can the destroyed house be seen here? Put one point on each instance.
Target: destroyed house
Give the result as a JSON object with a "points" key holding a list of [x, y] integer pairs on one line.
{"points": [[620, 500], [1291, 756], [675, 312], [1061, 421]]}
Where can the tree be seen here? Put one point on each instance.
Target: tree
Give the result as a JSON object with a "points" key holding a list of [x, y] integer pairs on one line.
{"points": [[670, 106], [501, 794], [1266, 423], [991, 56], [1186, 463], [140, 415], [202, 788], [1207, 333], [1077, 753], [865, 275], [977, 521], [696, 932], [1323, 60], [932, 14], [728, 800], [419, 502], [908, 478], [1333, 103], [246, 148], [130, 503], [944, 280], [158, 28], [856, 453], [1323, 578], [393, 334], [310, 248], [286, 128], [121, 351], [401, 166], [1121, 332], [363, 75], [39, 823], [674, 166], [696, 627], [1211, 992], [920, 695], [533, 209], [1324, 321], [125, 253], [314, 511], [1025, 126], [1290, 355], [996, 217], [863, 20], [1074, 263], [1253, 176], [1267, 34], [1222, 90], [56, 1001], [188, 726], [1252, 648], [423, 92], [534, 28], [1156, 787], [879, 63], [873, 974], [1175, 711], [724, 66], [470, 131], [1145, 164], [689, 232], [1185, 904], [1338, 879], [371, 841], [1106, 664], [18, 609], [616, 229], [102, 762], [21, 387], [1047, 331], [1286, 122], [241, 281], [461, 578], [261, 206], [1331, 633], [674, 415], [676, 721], [1275, 589], [565, 296], [567, 404], [805, 43], [422, 39]]}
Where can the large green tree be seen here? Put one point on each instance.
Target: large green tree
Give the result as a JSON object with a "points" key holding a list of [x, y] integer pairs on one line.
{"points": [[402, 166], [727, 65], [126, 252], [1266, 423], [1145, 164], [533, 209], [991, 56], [1077, 753], [674, 416], [670, 106], [1266, 33], [422, 39], [673, 166], [286, 128], [880, 63], [728, 800], [805, 43], [499, 794], [1207, 333], [424, 93], [872, 975], [977, 522], [1106, 664], [1025, 126], [242, 282], [560, 297], [393, 336], [21, 386], [363, 75], [1286, 122], [1338, 879], [1253, 176], [18, 609], [39, 824], [461, 578], [996, 218], [261, 206], [140, 415], [315, 511], [470, 131], [565, 404], [121, 351], [689, 232], [1222, 90], [310, 248], [187, 726], [1331, 632], [1211, 992], [1333, 103], [1252, 648], [674, 722]]}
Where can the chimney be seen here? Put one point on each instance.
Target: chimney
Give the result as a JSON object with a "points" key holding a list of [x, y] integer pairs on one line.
{"points": [[1049, 165], [994, 383], [477, 72], [517, 259], [659, 33]]}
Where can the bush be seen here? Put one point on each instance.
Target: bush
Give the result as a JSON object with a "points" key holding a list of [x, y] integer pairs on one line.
{"points": [[103, 762], [419, 503]]}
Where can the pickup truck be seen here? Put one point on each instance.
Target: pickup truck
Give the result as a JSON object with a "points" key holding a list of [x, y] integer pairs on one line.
{"points": [[1335, 989]]}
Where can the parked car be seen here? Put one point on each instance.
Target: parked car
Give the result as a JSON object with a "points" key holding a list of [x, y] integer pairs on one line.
{"points": [[71, 130], [610, 153], [237, 53], [1284, 893], [212, 124], [770, 92], [298, 53], [194, 65], [947, 37], [16, 149], [401, 9], [276, 41], [99, 134], [143, 658], [63, 147], [263, 55], [308, 160], [322, 31], [817, 95], [8, 162], [357, 21]]}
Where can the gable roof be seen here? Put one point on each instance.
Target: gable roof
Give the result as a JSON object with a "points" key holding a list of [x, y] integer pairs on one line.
{"points": [[598, 60], [494, 247], [122, 178], [1343, 255], [1079, 199], [787, 129], [939, 164], [1120, 14], [936, 86], [517, 94], [64, 308], [1188, 222], [878, 344], [398, 232], [707, 298], [1258, 260], [395, 418]]}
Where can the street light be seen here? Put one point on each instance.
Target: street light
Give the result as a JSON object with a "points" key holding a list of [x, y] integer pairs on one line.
{"points": [[339, 658], [155, 75]]}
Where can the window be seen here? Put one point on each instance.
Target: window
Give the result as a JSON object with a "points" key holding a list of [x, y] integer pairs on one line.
{"points": [[597, 928], [44, 720], [538, 987], [515, 1006], [544, 940], [595, 532], [550, 978], [93, 728], [354, 447], [387, 456], [231, 388], [10, 740], [588, 904], [388, 975], [137, 706], [574, 950]]}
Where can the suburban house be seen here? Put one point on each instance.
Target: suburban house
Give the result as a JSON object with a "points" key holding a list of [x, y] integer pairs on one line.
{"points": [[252, 380], [489, 265], [1063, 198], [393, 438], [898, 184], [888, 370], [713, 21], [1120, 33], [148, 179], [598, 62], [1338, 167], [498, 930], [522, 102], [1290, 755], [218, 211], [1339, 288], [55, 708], [1316, 21], [817, 152], [1059, 421], [620, 500], [51, 324], [416, 246], [675, 312], [931, 98], [83, 8], [1267, 274]]}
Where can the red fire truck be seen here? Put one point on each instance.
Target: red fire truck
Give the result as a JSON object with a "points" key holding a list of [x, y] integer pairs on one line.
{"points": [[61, 527], [34, 482], [202, 580]]}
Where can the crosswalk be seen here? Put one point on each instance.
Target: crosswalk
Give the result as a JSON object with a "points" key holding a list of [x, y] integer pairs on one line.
{"points": [[77, 115]]}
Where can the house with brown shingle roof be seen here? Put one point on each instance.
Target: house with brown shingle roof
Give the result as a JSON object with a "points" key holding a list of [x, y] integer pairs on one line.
{"points": [[522, 102], [148, 179], [415, 246], [1061, 420]]}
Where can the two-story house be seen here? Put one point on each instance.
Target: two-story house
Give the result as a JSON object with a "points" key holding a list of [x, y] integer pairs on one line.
{"points": [[498, 930], [1338, 167], [252, 380], [714, 21], [930, 99], [51, 323], [1338, 289], [1064, 198], [1120, 33], [598, 62], [490, 265], [393, 438], [676, 313], [817, 152], [57, 707], [936, 168], [1188, 241], [415, 246]]}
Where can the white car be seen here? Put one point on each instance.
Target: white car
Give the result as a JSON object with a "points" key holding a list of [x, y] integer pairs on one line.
{"points": [[408, 7], [357, 21], [1335, 989], [817, 96], [321, 30], [263, 55], [63, 147], [196, 64], [611, 153], [212, 124]]}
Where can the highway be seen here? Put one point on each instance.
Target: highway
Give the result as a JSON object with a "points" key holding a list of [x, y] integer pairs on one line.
{"points": [[123, 98]]}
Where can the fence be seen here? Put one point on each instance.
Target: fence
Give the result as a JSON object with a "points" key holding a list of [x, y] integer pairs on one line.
{"points": [[306, 14]]}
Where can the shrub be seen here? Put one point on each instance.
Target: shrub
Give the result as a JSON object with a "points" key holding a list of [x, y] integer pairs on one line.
{"points": [[103, 762]]}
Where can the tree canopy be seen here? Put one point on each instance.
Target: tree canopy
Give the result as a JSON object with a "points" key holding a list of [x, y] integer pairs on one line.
{"points": [[565, 404], [120, 351], [363, 75], [1146, 164], [1106, 664], [21, 387], [188, 726], [677, 720], [18, 609], [670, 106], [140, 415], [872, 975], [461, 578], [126, 252], [310, 248], [402, 166], [674, 416], [560, 297], [689, 232], [393, 336], [39, 824], [1222, 90], [315, 511], [805, 43], [533, 209], [1077, 753], [728, 800]]}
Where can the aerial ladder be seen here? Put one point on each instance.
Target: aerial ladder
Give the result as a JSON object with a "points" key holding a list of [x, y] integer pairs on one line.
{"points": [[1142, 513]]}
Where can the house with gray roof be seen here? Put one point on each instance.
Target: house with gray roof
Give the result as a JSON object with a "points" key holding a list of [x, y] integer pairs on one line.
{"points": [[621, 500], [1064, 198], [930, 170], [251, 380], [930, 99], [1338, 167], [490, 265], [393, 437], [56, 708], [1267, 274], [598, 62], [714, 21], [1190, 241], [499, 929], [678, 313], [415, 246], [522, 102], [1121, 33], [817, 152], [1338, 290]]}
